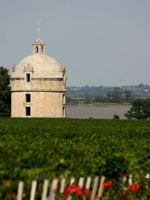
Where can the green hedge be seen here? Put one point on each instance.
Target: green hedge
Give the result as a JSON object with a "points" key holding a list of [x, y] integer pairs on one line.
{"points": [[5, 114]]}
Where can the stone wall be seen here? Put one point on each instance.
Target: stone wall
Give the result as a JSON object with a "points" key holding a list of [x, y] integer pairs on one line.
{"points": [[42, 104], [47, 98]]}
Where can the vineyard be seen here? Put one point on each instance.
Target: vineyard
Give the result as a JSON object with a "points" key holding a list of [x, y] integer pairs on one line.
{"points": [[46, 148]]}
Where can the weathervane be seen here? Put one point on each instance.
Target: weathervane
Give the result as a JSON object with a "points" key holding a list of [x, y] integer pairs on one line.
{"points": [[39, 29]]}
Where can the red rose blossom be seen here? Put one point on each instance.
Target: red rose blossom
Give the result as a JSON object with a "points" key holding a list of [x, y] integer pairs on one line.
{"points": [[132, 187], [86, 191], [137, 187], [124, 194], [73, 185], [121, 174], [110, 183], [78, 191], [106, 184], [68, 190], [64, 196]]}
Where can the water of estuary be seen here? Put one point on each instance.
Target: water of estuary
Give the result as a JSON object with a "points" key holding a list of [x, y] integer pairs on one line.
{"points": [[97, 112]]}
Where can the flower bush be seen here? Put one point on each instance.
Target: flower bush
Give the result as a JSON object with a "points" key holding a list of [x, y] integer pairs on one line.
{"points": [[121, 189], [75, 192]]}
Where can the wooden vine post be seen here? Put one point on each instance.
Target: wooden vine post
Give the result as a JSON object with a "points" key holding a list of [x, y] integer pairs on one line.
{"points": [[101, 189]]}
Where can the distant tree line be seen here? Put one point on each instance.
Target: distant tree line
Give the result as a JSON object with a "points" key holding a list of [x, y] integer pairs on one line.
{"points": [[104, 93], [117, 95]]}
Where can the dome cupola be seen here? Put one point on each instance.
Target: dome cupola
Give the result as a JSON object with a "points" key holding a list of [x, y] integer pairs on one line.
{"points": [[38, 47]]}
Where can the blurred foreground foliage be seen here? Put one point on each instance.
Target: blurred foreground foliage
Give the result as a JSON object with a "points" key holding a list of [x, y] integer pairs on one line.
{"points": [[46, 148]]}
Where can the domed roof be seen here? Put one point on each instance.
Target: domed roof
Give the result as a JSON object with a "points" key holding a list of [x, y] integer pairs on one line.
{"points": [[43, 66]]}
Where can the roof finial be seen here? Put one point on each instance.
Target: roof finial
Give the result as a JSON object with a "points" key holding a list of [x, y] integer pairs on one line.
{"points": [[39, 28]]}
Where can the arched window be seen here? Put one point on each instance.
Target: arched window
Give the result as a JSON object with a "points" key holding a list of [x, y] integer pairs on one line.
{"points": [[37, 49], [63, 112], [42, 49], [63, 99], [28, 77], [28, 111], [28, 97]]}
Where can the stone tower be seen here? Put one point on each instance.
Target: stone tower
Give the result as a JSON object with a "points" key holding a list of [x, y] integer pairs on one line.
{"points": [[38, 86]]}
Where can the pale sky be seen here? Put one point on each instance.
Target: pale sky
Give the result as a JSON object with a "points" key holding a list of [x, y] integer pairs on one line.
{"points": [[100, 41]]}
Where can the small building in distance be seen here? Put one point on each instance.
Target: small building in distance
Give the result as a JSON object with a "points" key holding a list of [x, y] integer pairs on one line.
{"points": [[38, 86]]}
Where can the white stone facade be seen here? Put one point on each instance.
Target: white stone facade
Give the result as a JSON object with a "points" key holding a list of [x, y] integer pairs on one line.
{"points": [[38, 86]]}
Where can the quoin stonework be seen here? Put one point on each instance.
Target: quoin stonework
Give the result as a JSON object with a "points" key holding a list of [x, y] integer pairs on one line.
{"points": [[38, 85]]}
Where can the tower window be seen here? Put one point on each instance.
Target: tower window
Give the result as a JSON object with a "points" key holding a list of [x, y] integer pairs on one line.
{"points": [[28, 77], [28, 111], [41, 49], [64, 78], [63, 112], [37, 49], [28, 97], [63, 98]]}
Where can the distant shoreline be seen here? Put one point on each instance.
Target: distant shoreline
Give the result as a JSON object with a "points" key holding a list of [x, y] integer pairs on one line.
{"points": [[100, 105]]}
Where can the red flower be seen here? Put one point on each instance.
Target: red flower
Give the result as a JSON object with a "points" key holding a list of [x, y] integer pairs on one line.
{"points": [[64, 196], [73, 185], [132, 187], [68, 190], [106, 184], [137, 187], [121, 174], [124, 194], [125, 188], [86, 191], [110, 183], [78, 191]]}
